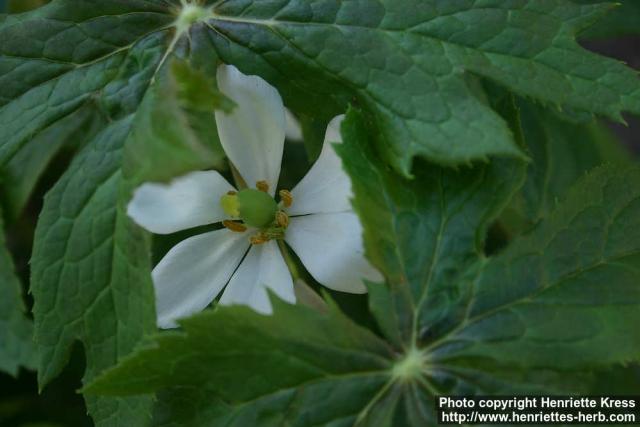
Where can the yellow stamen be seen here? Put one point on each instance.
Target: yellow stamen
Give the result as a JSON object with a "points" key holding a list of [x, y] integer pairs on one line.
{"points": [[259, 239], [282, 219], [234, 226], [262, 186], [286, 197]]}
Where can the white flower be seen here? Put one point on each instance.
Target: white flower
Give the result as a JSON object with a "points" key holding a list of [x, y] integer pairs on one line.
{"points": [[315, 219]]}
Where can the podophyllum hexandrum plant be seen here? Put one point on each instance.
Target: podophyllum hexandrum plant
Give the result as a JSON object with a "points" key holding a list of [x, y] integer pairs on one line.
{"points": [[454, 179]]}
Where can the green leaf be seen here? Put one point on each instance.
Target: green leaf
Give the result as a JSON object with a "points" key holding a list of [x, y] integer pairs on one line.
{"points": [[621, 21], [404, 62], [26, 167], [175, 130], [561, 152], [196, 91], [421, 233], [89, 51], [16, 329], [91, 272], [525, 46], [302, 357], [90, 277], [559, 301], [88, 251], [531, 320]]}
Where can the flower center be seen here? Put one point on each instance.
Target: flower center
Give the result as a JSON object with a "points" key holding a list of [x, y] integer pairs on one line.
{"points": [[410, 367], [190, 13], [256, 208]]}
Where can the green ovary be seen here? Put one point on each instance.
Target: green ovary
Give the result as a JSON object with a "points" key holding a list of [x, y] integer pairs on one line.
{"points": [[255, 208]]}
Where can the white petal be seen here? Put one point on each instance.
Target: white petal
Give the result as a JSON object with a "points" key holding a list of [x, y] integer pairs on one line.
{"points": [[326, 187], [252, 135], [262, 268], [330, 247], [293, 130], [188, 201], [194, 271]]}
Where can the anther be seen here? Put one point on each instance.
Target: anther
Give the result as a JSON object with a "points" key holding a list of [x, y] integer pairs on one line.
{"points": [[234, 226], [258, 239], [286, 197], [282, 219], [262, 186]]}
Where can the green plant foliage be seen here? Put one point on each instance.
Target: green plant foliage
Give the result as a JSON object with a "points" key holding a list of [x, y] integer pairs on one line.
{"points": [[174, 132], [28, 164], [424, 48], [537, 318], [621, 21], [342, 49], [89, 277], [79, 63], [86, 241], [425, 232], [544, 302], [324, 354], [561, 153], [465, 119], [508, 301], [16, 330]]}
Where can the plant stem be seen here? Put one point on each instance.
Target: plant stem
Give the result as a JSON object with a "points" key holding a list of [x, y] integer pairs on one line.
{"points": [[291, 264]]}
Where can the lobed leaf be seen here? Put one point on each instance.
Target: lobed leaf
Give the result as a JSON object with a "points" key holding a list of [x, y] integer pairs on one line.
{"points": [[425, 232], [562, 152], [322, 371], [538, 318], [563, 298], [88, 253], [90, 280], [405, 63], [69, 53], [621, 21]]}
